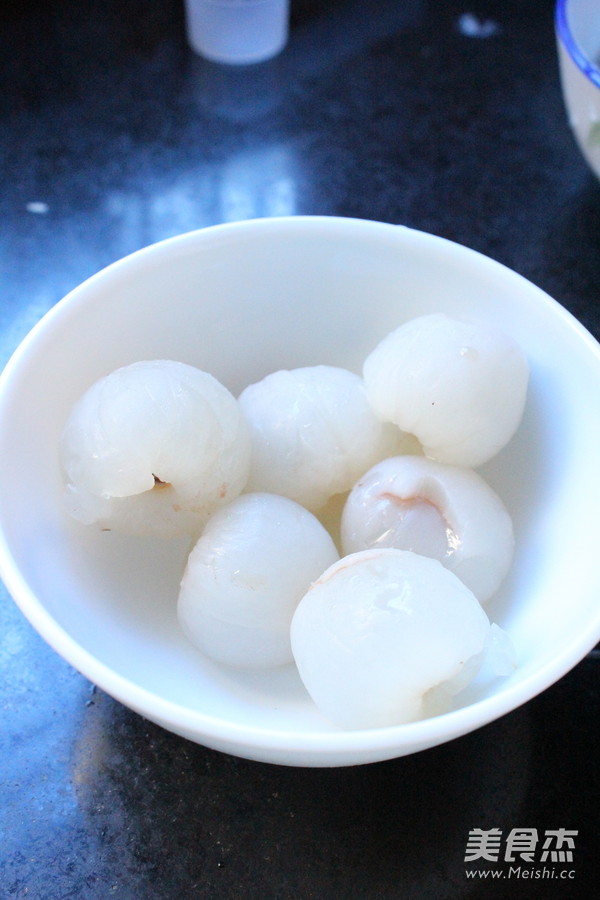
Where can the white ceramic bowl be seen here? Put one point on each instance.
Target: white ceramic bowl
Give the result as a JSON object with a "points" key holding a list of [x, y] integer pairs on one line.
{"points": [[578, 40], [241, 300]]}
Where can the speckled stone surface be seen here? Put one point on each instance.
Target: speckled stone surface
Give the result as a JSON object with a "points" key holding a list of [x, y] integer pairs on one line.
{"points": [[115, 135]]}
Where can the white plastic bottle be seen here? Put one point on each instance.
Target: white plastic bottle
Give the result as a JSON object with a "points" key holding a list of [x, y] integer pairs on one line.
{"points": [[237, 32]]}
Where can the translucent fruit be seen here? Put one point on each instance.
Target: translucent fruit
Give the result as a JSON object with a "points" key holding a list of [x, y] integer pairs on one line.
{"points": [[154, 448], [379, 630], [254, 561], [458, 386], [313, 433], [445, 512]]}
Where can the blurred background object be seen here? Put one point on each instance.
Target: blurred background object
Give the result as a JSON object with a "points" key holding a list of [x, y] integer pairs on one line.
{"points": [[578, 39], [238, 32]]}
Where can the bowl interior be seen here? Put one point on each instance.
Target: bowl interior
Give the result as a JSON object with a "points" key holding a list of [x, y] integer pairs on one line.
{"points": [[240, 301]]}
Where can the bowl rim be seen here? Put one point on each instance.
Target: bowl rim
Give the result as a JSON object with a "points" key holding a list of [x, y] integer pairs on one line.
{"points": [[563, 29], [329, 746]]}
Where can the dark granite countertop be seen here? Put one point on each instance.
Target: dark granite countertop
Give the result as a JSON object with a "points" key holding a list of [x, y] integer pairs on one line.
{"points": [[114, 135]]}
